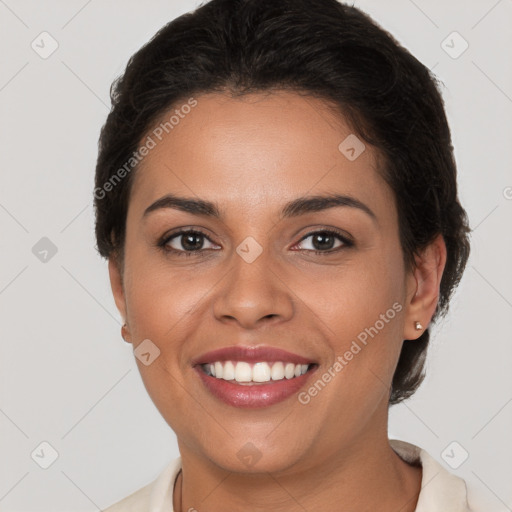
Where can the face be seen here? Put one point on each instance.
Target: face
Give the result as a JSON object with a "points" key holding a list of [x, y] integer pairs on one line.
{"points": [[322, 281]]}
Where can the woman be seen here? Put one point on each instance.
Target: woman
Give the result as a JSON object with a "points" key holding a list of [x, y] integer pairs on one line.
{"points": [[276, 196]]}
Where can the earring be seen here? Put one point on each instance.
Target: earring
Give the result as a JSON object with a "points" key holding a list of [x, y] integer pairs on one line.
{"points": [[418, 326], [124, 330]]}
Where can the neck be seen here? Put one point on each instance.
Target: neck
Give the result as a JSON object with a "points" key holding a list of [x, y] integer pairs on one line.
{"points": [[368, 475]]}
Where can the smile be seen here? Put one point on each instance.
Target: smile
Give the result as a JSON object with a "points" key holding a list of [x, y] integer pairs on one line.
{"points": [[255, 386], [245, 372]]}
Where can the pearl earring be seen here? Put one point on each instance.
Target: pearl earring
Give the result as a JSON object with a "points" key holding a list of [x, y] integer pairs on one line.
{"points": [[418, 326]]}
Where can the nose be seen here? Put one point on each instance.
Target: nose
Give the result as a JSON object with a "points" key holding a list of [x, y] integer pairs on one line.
{"points": [[253, 294]]}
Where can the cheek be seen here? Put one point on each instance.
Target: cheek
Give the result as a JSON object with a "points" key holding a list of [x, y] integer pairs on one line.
{"points": [[353, 296], [160, 298], [361, 308], [361, 315], [161, 308]]}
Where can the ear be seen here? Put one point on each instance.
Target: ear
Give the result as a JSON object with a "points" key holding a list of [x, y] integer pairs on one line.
{"points": [[116, 283], [423, 285]]}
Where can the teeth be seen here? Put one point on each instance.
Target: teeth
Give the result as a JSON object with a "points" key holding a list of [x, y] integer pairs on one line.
{"points": [[260, 372], [289, 370], [228, 371], [277, 372], [242, 371]]}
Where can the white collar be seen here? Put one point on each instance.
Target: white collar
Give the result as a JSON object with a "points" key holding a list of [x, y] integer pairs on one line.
{"points": [[440, 489]]}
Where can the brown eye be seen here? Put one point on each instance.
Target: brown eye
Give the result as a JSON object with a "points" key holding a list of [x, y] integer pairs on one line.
{"points": [[186, 242], [325, 241]]}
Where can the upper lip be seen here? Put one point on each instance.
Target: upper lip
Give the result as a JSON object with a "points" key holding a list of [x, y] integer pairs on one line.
{"points": [[250, 354]]}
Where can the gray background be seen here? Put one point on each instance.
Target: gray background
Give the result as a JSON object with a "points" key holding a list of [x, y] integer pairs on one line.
{"points": [[66, 376]]}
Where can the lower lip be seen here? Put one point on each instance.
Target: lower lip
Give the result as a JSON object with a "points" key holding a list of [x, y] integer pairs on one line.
{"points": [[255, 395]]}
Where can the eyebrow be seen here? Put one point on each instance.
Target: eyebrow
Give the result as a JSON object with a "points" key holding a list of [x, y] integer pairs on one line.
{"points": [[294, 208]]}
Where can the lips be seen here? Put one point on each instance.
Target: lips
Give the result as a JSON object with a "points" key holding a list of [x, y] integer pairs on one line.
{"points": [[251, 355], [253, 394]]}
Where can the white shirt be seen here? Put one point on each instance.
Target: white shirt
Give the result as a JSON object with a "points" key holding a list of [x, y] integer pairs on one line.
{"points": [[441, 491]]}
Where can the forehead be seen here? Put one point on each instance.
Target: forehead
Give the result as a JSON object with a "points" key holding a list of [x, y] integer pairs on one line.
{"points": [[257, 149]]}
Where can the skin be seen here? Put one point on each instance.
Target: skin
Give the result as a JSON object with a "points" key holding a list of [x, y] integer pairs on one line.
{"points": [[251, 155]]}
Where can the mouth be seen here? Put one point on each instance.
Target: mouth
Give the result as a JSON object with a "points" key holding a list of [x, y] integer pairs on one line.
{"points": [[245, 373], [253, 377]]}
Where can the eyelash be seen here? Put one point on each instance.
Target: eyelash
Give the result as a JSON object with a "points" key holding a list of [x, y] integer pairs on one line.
{"points": [[162, 244]]}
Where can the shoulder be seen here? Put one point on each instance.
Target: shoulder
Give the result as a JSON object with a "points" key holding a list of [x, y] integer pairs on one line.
{"points": [[136, 501], [440, 489], [155, 496]]}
